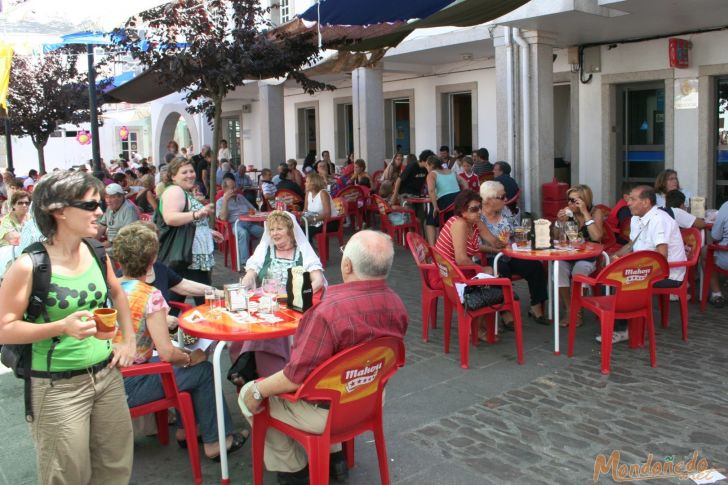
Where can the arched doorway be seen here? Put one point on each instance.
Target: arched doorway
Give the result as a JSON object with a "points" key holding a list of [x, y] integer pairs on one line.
{"points": [[177, 126]]}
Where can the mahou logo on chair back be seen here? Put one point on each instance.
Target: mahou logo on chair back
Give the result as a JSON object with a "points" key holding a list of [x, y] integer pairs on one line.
{"points": [[354, 378]]}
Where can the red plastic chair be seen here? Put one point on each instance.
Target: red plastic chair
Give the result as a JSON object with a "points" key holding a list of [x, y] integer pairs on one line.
{"points": [[322, 238], [467, 319], [294, 202], [181, 307], [173, 398], [376, 181], [692, 240], [228, 244], [396, 232], [513, 200], [633, 277], [423, 259], [708, 270], [355, 197], [355, 407], [445, 214]]}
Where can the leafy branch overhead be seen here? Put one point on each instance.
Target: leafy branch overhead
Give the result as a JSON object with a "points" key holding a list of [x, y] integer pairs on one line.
{"points": [[45, 92], [209, 48]]}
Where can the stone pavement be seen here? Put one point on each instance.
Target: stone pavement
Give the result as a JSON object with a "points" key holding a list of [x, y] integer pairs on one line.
{"points": [[497, 422]]}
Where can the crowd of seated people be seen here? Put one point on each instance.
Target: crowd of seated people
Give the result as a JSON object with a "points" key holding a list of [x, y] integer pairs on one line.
{"points": [[479, 227]]}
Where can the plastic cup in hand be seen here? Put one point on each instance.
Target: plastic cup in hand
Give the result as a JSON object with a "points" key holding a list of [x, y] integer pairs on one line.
{"points": [[105, 323]]}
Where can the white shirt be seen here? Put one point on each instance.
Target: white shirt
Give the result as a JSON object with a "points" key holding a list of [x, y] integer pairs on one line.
{"points": [[655, 228], [660, 198], [223, 154], [315, 204], [683, 218]]}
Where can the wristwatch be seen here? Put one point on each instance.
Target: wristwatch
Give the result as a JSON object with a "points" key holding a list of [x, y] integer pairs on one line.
{"points": [[256, 393]]}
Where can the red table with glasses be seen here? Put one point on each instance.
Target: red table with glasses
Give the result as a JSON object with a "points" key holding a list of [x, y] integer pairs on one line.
{"points": [[553, 256], [219, 324], [259, 217]]}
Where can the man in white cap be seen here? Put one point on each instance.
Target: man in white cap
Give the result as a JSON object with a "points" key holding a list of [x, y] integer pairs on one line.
{"points": [[119, 213]]}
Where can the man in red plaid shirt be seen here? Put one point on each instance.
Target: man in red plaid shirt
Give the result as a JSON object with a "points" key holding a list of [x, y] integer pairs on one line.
{"points": [[361, 309]]}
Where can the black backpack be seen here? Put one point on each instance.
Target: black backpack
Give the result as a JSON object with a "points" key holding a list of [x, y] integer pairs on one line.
{"points": [[18, 357]]}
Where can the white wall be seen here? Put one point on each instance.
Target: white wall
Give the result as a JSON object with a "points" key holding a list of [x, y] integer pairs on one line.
{"points": [[425, 106], [65, 152], [707, 49]]}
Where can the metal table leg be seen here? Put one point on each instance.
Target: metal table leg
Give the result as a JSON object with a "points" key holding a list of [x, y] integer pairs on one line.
{"points": [[225, 476], [555, 286], [235, 238]]}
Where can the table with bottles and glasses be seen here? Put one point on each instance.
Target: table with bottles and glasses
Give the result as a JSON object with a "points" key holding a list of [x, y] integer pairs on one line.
{"points": [[213, 321], [562, 251]]}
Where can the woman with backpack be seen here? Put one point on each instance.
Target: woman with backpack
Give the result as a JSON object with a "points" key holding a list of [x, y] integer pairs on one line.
{"points": [[80, 421]]}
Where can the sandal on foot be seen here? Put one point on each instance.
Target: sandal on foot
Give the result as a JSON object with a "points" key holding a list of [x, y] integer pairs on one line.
{"points": [[717, 301], [541, 320], [239, 440], [565, 323]]}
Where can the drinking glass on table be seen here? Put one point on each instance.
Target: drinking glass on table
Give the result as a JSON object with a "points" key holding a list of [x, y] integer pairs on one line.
{"points": [[210, 300], [526, 223], [572, 231], [520, 236]]}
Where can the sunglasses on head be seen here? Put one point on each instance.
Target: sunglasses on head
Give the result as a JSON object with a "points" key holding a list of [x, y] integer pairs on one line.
{"points": [[474, 208], [87, 205]]}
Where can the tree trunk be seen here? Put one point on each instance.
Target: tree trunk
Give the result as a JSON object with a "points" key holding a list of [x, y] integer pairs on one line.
{"points": [[41, 157], [216, 137]]}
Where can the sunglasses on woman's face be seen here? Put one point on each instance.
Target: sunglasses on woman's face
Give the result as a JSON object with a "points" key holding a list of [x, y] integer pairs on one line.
{"points": [[573, 201], [87, 205], [474, 208], [500, 197], [22, 202]]}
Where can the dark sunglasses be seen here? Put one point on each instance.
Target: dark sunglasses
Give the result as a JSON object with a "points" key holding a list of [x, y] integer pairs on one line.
{"points": [[22, 203], [500, 197], [474, 208], [573, 201], [87, 205]]}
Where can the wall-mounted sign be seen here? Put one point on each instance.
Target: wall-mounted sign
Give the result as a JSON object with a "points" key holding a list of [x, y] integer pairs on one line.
{"points": [[679, 53]]}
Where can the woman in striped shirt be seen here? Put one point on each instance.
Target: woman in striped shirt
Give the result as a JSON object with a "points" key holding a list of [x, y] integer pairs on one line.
{"points": [[458, 238]]}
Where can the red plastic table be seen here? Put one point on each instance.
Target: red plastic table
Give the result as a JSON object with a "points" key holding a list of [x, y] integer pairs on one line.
{"points": [[220, 325], [553, 256], [259, 217]]}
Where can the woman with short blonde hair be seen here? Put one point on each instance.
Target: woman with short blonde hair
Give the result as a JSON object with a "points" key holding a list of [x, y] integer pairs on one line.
{"points": [[590, 221]]}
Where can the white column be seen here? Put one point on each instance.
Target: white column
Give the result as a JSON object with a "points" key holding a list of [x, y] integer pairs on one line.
{"points": [[368, 100], [272, 125], [541, 113]]}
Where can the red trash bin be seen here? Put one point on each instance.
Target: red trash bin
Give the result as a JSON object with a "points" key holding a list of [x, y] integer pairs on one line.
{"points": [[553, 198]]}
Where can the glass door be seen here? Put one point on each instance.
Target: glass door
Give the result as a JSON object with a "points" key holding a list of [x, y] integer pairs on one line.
{"points": [[641, 113], [721, 153], [461, 122], [231, 133]]}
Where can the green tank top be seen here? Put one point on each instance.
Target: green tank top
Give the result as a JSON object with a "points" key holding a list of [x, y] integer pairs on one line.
{"points": [[446, 184], [68, 294]]}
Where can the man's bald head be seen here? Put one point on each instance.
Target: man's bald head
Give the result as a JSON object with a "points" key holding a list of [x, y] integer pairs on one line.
{"points": [[370, 253]]}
